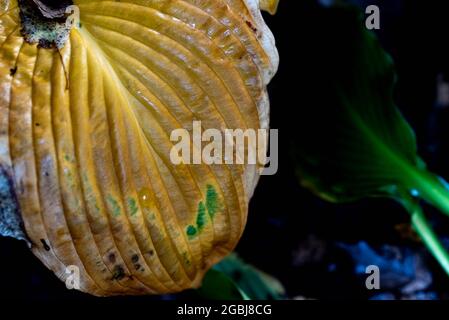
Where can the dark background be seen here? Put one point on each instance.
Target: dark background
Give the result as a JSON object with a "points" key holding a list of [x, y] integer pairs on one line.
{"points": [[291, 234], [297, 237]]}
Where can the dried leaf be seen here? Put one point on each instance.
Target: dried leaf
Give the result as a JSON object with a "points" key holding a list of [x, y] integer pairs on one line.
{"points": [[85, 137]]}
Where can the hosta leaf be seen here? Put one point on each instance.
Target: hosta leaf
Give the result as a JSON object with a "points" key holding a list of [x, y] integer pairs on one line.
{"points": [[353, 142], [254, 283], [233, 279], [218, 286], [85, 136]]}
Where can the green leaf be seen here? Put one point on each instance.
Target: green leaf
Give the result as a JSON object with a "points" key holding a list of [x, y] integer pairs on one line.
{"points": [[233, 279], [256, 284], [353, 142], [360, 144], [218, 286]]}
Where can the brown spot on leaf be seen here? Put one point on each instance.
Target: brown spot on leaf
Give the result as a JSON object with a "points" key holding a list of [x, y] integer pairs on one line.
{"points": [[112, 258], [118, 273], [45, 244], [13, 71], [251, 26]]}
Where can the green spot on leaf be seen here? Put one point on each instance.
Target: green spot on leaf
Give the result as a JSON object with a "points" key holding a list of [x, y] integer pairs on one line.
{"points": [[115, 206], [191, 231], [208, 208], [132, 206], [212, 201], [201, 218]]}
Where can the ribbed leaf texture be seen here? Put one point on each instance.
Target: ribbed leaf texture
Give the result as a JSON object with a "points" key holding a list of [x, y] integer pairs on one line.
{"points": [[85, 137]]}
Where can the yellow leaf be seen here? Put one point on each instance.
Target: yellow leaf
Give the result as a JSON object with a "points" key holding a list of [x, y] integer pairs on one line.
{"points": [[269, 5], [85, 137]]}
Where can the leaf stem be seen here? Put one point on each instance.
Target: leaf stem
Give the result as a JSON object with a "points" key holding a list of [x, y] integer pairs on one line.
{"points": [[429, 237], [432, 189]]}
